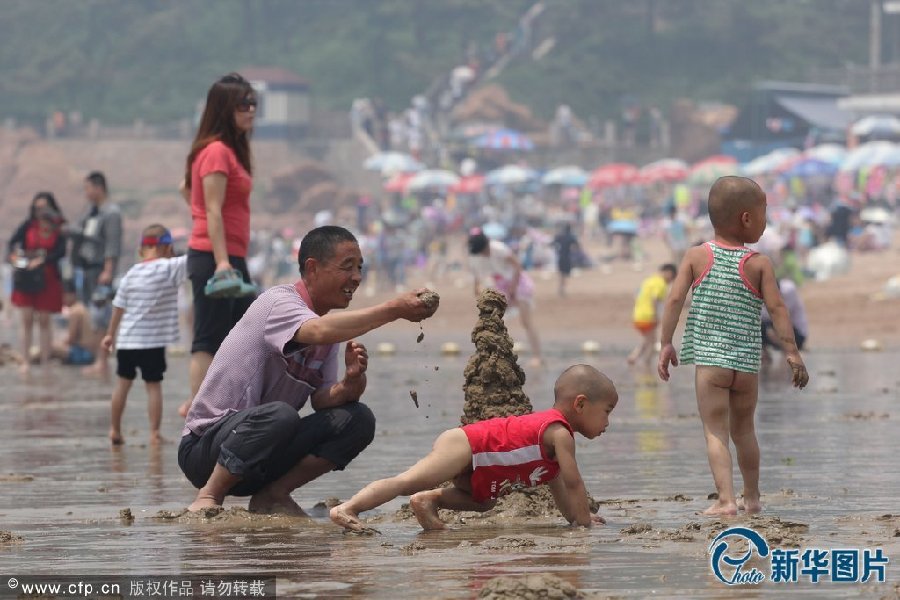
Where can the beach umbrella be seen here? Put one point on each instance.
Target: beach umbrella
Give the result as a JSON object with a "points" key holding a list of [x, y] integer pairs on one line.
{"points": [[432, 178], [867, 154], [388, 163], [398, 183], [770, 162], [668, 169], [709, 169], [503, 139], [833, 153], [472, 184], [570, 175], [810, 167], [494, 230], [612, 175], [877, 126], [510, 175]]}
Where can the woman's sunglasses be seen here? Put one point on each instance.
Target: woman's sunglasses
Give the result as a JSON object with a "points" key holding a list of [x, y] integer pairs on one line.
{"points": [[246, 104]]}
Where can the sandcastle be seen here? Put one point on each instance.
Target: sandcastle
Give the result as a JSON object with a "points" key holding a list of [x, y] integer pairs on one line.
{"points": [[493, 377]]}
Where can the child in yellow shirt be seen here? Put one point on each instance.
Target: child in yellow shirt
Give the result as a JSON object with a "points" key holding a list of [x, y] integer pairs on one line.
{"points": [[646, 311]]}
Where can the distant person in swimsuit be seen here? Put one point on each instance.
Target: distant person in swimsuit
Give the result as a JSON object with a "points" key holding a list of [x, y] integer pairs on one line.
{"points": [[488, 459], [729, 284]]}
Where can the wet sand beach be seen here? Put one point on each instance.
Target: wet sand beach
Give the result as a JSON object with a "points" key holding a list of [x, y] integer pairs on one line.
{"points": [[830, 477]]}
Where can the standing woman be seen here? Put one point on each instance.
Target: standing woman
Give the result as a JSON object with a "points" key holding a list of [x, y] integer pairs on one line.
{"points": [[34, 251], [217, 184], [495, 265]]}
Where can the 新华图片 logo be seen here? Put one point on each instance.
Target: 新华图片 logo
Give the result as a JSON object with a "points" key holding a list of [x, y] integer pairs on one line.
{"points": [[732, 549]]}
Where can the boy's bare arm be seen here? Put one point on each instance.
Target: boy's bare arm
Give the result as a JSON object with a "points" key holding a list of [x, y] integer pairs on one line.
{"points": [[568, 487], [673, 306], [109, 339], [781, 318]]}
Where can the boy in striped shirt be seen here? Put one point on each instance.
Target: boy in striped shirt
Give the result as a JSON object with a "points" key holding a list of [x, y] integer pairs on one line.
{"points": [[144, 321], [489, 459], [729, 284]]}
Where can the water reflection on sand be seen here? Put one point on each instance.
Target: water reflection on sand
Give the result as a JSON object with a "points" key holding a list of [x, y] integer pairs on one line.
{"points": [[829, 461]]}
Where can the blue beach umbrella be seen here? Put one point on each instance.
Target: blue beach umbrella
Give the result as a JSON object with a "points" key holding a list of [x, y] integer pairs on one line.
{"points": [[503, 139], [810, 167]]}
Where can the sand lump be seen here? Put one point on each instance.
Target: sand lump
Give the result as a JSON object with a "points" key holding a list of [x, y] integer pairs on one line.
{"points": [[493, 377]]}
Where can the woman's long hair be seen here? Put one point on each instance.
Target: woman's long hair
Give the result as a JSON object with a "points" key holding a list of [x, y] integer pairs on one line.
{"points": [[55, 212], [217, 122]]}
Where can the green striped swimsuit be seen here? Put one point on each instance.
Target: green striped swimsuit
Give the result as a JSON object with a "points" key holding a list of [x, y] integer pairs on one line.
{"points": [[723, 323]]}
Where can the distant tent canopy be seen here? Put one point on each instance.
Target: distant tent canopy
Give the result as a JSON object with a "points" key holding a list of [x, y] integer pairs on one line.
{"points": [[823, 113], [785, 114]]}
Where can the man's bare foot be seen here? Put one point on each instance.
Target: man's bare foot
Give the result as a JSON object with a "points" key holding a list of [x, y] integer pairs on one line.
{"points": [[156, 439], [24, 369], [115, 437], [536, 362], [345, 517], [751, 504], [424, 506], [204, 501], [721, 508], [184, 408], [269, 504]]}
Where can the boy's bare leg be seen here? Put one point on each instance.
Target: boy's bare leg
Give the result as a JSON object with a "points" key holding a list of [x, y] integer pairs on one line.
{"points": [[450, 455], [276, 497], [119, 396], [154, 409], [213, 493], [425, 505], [744, 394], [644, 349], [713, 391]]}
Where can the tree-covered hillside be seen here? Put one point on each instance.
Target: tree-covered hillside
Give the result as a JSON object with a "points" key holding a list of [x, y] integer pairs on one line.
{"points": [[124, 59]]}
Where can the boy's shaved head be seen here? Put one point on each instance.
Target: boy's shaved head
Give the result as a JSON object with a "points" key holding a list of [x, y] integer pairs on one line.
{"points": [[584, 379], [731, 196]]}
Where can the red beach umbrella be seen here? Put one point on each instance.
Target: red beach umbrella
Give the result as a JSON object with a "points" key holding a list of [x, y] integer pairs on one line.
{"points": [[612, 175], [398, 183], [472, 184]]}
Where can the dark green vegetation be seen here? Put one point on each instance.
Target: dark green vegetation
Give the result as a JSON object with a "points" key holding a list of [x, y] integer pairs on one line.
{"points": [[153, 59]]}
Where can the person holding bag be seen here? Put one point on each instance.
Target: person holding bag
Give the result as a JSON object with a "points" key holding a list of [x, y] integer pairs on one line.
{"points": [[34, 251], [217, 185]]}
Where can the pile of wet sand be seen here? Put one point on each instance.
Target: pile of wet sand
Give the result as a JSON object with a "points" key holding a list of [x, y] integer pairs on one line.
{"points": [[493, 377], [529, 587], [8, 537]]}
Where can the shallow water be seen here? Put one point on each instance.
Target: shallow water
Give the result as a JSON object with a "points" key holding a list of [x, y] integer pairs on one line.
{"points": [[829, 461]]}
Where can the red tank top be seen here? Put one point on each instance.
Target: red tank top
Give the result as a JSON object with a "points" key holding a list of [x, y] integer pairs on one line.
{"points": [[508, 453]]}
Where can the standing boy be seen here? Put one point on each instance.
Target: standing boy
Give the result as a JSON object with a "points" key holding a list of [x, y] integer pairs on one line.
{"points": [[646, 310], [144, 321], [722, 336]]}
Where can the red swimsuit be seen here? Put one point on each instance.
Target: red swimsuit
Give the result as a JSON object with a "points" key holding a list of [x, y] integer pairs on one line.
{"points": [[508, 453]]}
